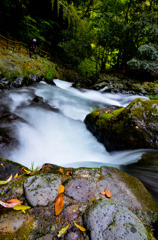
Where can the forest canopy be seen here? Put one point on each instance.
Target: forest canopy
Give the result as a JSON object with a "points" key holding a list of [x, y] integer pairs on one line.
{"points": [[92, 35]]}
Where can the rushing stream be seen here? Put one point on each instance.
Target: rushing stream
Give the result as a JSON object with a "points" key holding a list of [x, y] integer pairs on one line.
{"points": [[54, 131]]}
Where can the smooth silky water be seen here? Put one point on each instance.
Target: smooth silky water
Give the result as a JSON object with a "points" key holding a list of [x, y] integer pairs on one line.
{"points": [[60, 137]]}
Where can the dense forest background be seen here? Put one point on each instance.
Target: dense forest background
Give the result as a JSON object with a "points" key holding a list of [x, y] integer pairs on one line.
{"points": [[93, 36]]}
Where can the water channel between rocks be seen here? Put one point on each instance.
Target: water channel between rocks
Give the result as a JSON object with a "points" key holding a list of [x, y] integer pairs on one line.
{"points": [[52, 130]]}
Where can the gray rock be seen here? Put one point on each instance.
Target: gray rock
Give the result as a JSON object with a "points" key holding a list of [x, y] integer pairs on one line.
{"points": [[17, 83], [4, 83], [12, 221], [79, 189], [108, 220], [74, 236], [42, 189], [121, 190], [46, 237]]}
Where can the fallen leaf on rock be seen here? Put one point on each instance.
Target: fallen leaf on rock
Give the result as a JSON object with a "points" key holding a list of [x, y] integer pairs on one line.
{"points": [[107, 193], [16, 175], [14, 200], [6, 181], [21, 207], [27, 171], [63, 231], [59, 204], [61, 189], [10, 205], [61, 170], [80, 227]]}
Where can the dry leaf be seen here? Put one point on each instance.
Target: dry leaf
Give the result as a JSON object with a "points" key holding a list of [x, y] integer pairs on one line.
{"points": [[80, 227], [14, 200], [61, 170], [107, 193], [16, 175], [59, 204], [61, 189], [6, 181], [10, 205], [63, 231], [27, 171]]}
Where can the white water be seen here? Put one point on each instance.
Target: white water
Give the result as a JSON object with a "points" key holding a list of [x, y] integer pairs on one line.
{"points": [[61, 138]]}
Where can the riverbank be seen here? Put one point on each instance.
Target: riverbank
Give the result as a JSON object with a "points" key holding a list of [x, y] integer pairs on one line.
{"points": [[17, 69]]}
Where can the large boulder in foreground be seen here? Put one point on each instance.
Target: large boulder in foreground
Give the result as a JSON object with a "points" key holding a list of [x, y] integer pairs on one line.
{"points": [[133, 127], [108, 220]]}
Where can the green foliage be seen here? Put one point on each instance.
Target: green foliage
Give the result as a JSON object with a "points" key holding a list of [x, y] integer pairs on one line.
{"points": [[147, 59], [50, 74], [153, 97], [67, 28], [87, 68]]}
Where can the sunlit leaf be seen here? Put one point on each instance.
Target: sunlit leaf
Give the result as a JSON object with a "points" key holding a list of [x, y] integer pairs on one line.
{"points": [[80, 227], [10, 205], [107, 193], [21, 207], [14, 200], [59, 204], [6, 181], [16, 175], [61, 189], [27, 171], [63, 231], [61, 170]]}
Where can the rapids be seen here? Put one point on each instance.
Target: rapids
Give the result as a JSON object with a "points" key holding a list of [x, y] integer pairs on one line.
{"points": [[54, 132]]}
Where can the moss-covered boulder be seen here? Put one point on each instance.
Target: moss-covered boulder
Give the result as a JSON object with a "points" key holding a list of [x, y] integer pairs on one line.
{"points": [[133, 127]]}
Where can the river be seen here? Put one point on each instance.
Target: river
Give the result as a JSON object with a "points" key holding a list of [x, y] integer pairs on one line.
{"points": [[54, 130]]}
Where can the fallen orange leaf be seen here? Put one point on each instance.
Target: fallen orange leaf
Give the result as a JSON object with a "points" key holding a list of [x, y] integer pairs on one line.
{"points": [[59, 204], [14, 200], [61, 189], [107, 193], [61, 170], [16, 175]]}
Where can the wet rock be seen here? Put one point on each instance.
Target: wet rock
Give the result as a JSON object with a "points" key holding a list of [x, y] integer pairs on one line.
{"points": [[4, 83], [79, 189], [133, 127], [41, 190], [12, 221], [107, 220], [74, 236], [122, 187], [18, 82], [46, 237], [38, 99], [71, 212]]}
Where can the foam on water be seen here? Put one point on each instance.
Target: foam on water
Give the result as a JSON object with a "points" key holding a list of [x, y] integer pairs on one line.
{"points": [[62, 138]]}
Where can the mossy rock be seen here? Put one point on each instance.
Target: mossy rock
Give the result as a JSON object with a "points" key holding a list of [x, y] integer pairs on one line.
{"points": [[133, 127]]}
